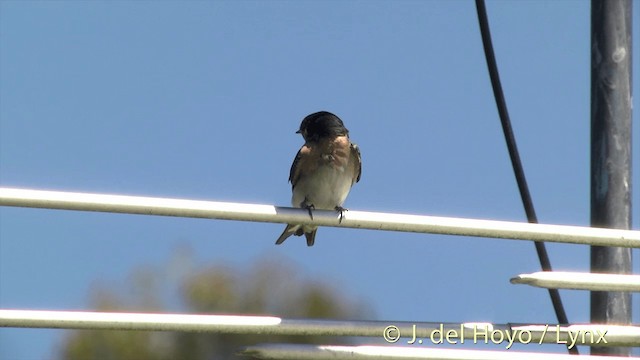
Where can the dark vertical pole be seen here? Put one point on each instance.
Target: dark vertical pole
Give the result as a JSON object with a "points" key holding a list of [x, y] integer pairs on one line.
{"points": [[611, 153]]}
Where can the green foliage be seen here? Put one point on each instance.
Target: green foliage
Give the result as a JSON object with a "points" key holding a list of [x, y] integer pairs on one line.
{"points": [[267, 288]]}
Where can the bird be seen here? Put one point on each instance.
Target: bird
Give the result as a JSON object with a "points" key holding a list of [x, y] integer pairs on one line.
{"points": [[323, 171]]}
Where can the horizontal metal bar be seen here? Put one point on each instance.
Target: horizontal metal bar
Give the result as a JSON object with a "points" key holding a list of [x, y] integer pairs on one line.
{"points": [[580, 281], [321, 352], [397, 332], [352, 219]]}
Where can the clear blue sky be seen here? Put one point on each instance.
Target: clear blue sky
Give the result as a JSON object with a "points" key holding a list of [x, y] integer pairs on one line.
{"points": [[201, 100]]}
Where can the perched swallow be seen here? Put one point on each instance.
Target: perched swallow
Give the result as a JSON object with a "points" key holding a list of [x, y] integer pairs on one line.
{"points": [[325, 168]]}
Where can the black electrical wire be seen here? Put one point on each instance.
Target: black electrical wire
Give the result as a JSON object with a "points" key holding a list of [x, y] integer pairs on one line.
{"points": [[541, 249]]}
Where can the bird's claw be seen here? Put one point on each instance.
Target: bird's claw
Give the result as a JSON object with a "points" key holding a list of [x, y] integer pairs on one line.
{"points": [[309, 208], [341, 210]]}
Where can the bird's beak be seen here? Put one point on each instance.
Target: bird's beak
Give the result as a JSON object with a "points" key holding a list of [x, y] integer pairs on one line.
{"points": [[298, 132]]}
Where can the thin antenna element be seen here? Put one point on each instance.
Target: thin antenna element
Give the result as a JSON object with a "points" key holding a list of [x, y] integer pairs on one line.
{"points": [[393, 332], [63, 200], [527, 202], [580, 281], [365, 352]]}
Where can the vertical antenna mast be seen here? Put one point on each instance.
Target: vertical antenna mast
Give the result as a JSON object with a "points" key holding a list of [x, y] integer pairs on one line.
{"points": [[611, 154]]}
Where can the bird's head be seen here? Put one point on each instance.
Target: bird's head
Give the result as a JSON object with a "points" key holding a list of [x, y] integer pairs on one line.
{"points": [[321, 124]]}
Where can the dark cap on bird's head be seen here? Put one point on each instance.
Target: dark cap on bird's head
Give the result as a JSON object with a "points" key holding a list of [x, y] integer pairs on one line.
{"points": [[321, 124]]}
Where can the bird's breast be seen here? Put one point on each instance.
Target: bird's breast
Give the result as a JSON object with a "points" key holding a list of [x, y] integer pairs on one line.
{"points": [[327, 183]]}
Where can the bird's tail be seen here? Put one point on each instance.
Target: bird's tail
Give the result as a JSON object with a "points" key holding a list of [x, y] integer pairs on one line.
{"points": [[288, 231], [311, 236], [298, 231]]}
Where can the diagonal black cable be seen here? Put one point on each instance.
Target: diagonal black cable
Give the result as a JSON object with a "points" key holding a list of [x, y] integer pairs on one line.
{"points": [[541, 249]]}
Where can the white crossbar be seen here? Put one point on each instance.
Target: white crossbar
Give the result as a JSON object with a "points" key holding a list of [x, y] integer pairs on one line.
{"points": [[580, 281], [396, 332], [366, 352], [352, 219]]}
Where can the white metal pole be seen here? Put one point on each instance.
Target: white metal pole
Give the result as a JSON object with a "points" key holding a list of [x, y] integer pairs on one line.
{"points": [[393, 332], [580, 281], [367, 352], [352, 219]]}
